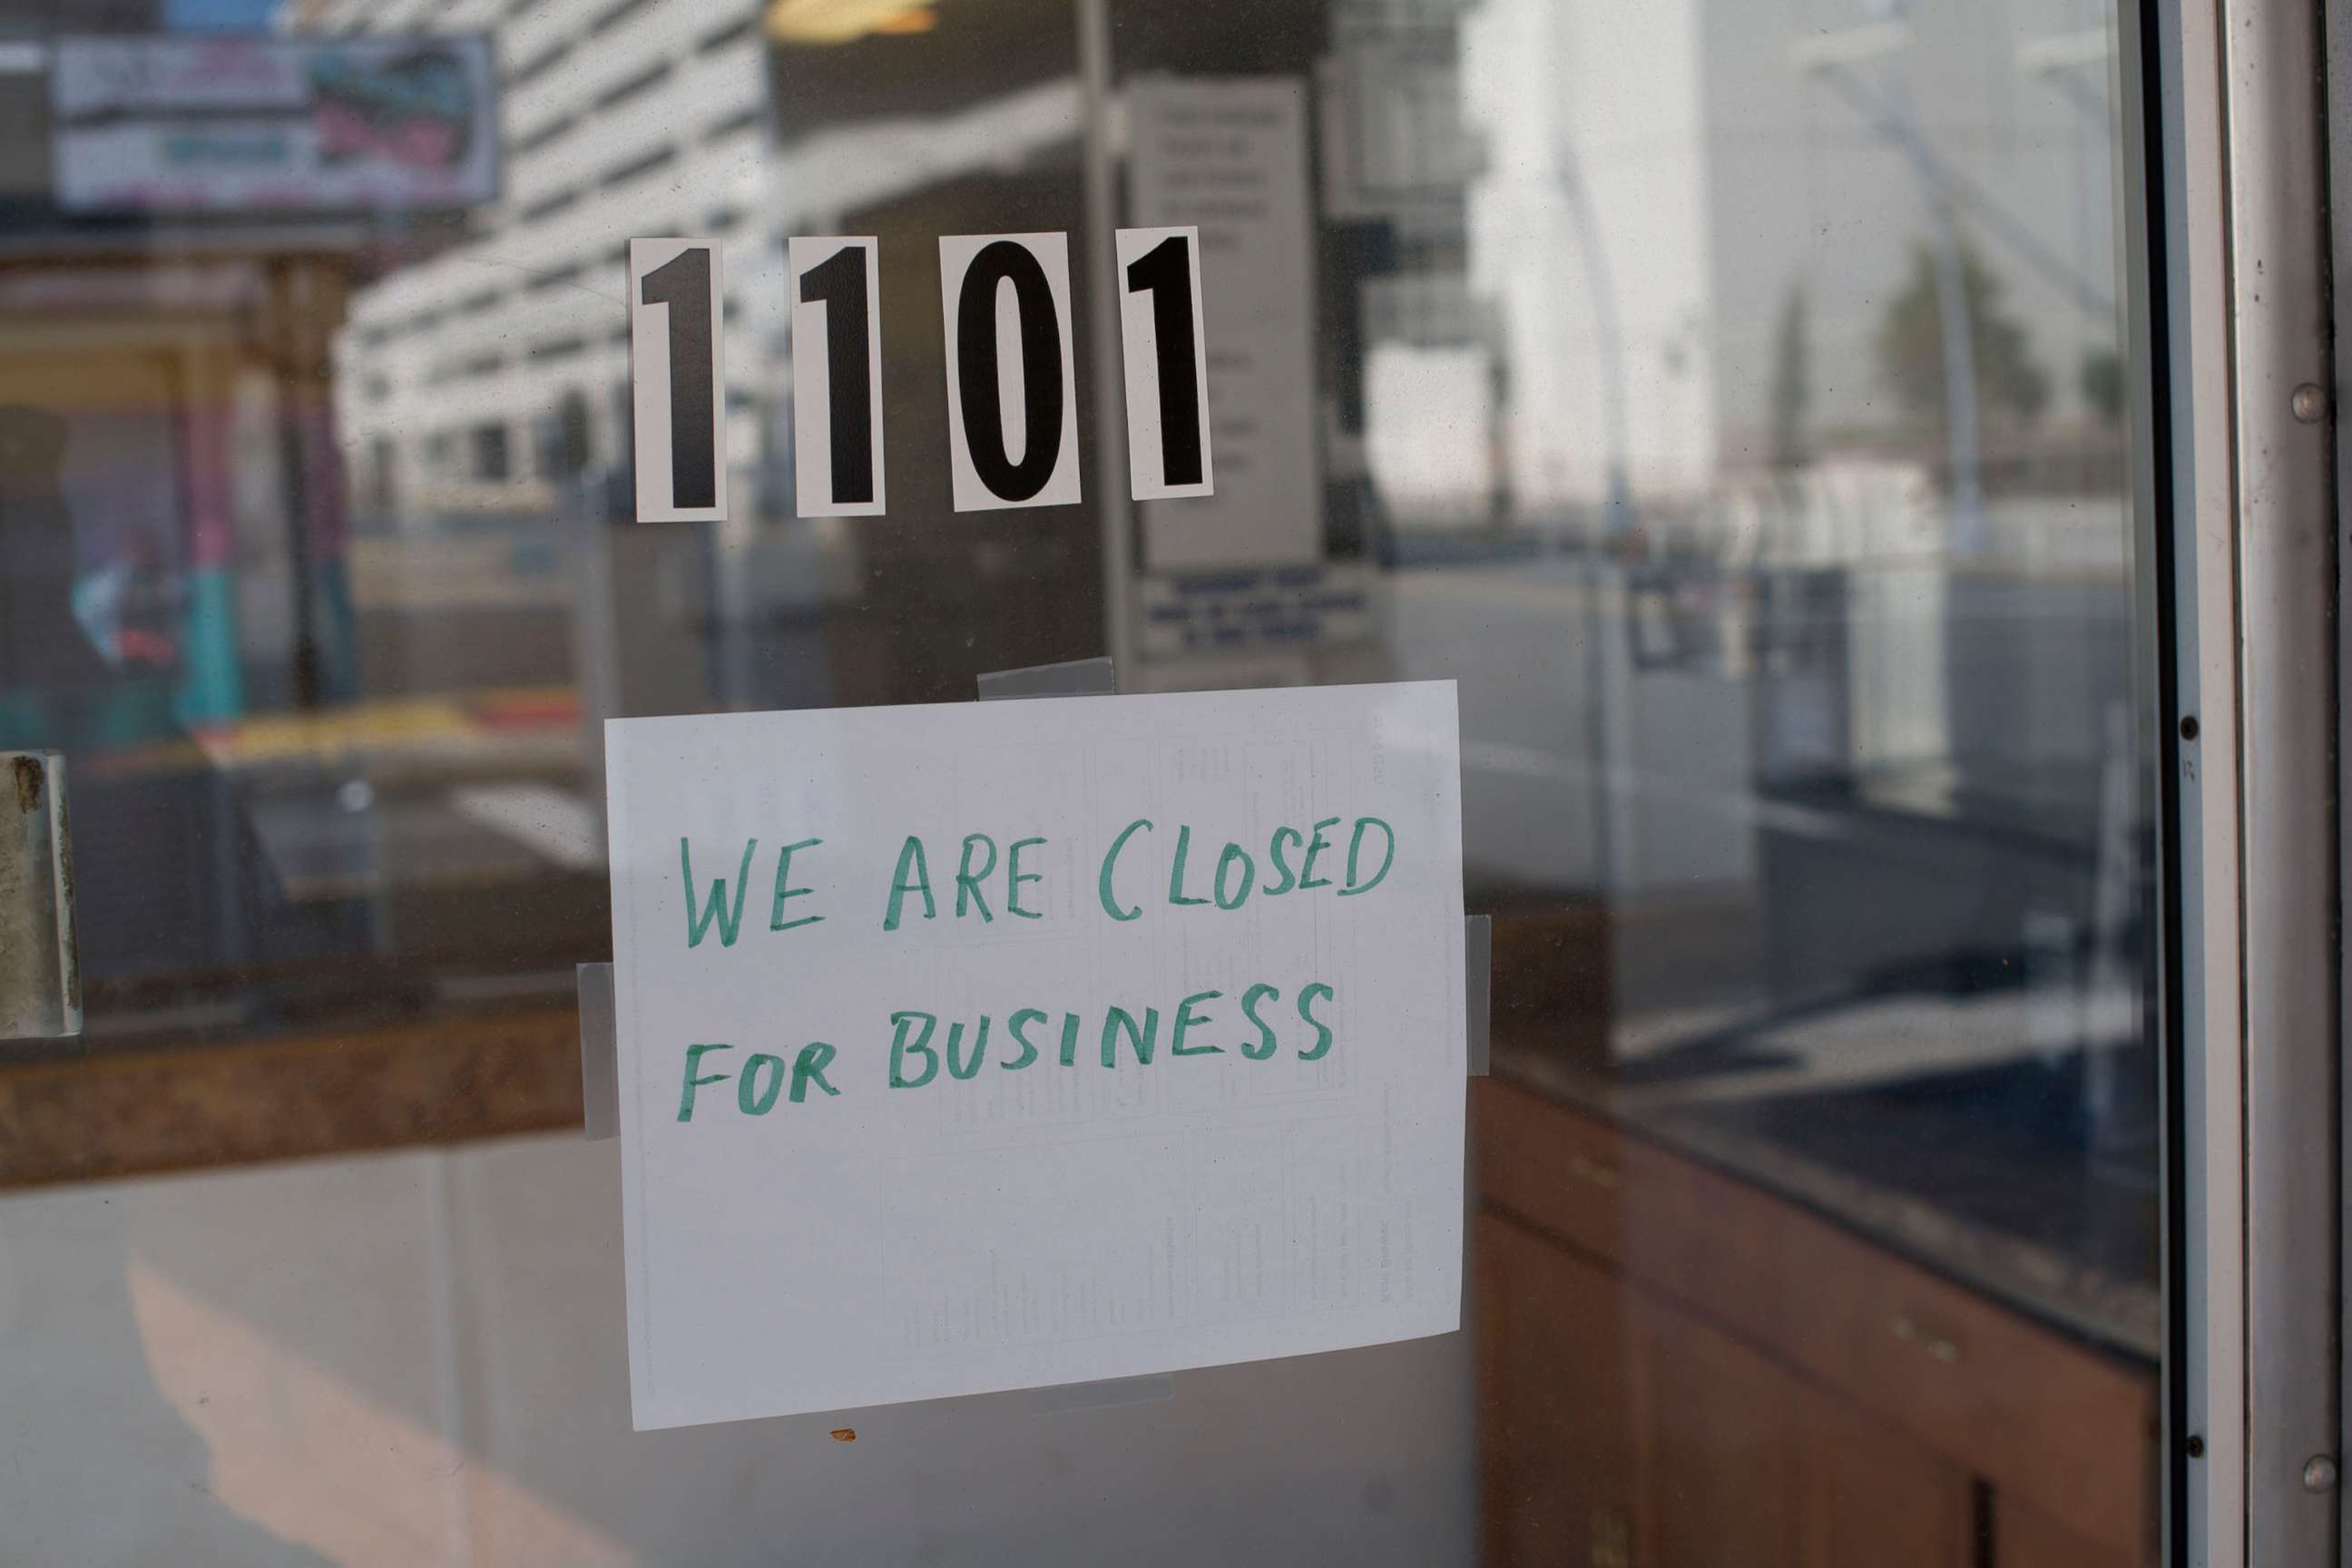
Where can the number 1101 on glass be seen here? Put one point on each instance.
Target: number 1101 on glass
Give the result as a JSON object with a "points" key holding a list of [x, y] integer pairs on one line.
{"points": [[1011, 423]]}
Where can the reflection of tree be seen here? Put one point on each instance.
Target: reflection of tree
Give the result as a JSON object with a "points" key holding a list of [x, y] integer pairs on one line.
{"points": [[2103, 384], [1793, 374], [1910, 343]]}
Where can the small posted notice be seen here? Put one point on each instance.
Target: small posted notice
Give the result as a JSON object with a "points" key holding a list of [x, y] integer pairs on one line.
{"points": [[994, 1046]]}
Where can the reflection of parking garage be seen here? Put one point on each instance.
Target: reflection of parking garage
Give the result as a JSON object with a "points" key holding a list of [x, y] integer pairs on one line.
{"points": [[174, 536]]}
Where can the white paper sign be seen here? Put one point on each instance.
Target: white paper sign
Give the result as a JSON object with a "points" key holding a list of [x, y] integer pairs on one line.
{"points": [[836, 377], [677, 376], [1013, 410], [1167, 363], [1229, 154], [989, 1045]]}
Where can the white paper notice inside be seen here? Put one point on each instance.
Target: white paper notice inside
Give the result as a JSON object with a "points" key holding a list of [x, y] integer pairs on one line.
{"points": [[1229, 155], [871, 1150]]}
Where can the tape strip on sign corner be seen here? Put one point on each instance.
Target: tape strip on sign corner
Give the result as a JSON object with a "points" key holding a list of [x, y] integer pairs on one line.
{"points": [[836, 305], [1167, 359], [678, 379], [1072, 678], [600, 1066], [1479, 989], [1013, 425]]}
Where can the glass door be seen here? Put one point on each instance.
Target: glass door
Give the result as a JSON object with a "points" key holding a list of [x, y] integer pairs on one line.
{"points": [[1774, 416]]}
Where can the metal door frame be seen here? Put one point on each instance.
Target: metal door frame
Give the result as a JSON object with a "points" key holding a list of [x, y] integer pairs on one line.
{"points": [[2238, 588]]}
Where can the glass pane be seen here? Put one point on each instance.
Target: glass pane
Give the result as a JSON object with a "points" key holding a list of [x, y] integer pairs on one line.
{"points": [[1730, 397]]}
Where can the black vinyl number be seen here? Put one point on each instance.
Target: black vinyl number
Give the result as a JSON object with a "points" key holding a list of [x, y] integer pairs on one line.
{"points": [[1165, 272], [1009, 448], [838, 283], [1042, 399], [683, 283]]}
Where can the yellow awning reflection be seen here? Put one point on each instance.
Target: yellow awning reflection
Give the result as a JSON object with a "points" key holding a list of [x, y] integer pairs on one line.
{"points": [[844, 21]]}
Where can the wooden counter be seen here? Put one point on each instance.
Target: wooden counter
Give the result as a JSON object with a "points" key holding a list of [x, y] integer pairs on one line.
{"points": [[181, 1105], [1680, 1370]]}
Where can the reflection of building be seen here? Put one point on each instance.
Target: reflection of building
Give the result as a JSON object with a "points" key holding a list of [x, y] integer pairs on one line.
{"points": [[1591, 234], [185, 215], [506, 358], [199, 457], [1720, 177], [1810, 189], [1397, 159]]}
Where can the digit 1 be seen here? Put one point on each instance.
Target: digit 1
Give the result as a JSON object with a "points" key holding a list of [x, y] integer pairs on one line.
{"points": [[1166, 271], [1003, 261], [838, 283], [683, 283]]}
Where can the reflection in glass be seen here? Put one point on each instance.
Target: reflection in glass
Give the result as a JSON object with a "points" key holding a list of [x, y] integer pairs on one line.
{"points": [[1729, 396]]}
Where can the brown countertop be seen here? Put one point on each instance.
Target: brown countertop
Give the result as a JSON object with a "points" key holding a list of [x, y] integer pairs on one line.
{"points": [[2101, 1299]]}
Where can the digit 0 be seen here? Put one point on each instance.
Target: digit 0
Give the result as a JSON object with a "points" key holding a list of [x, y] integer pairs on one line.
{"points": [[1042, 397], [1028, 277]]}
